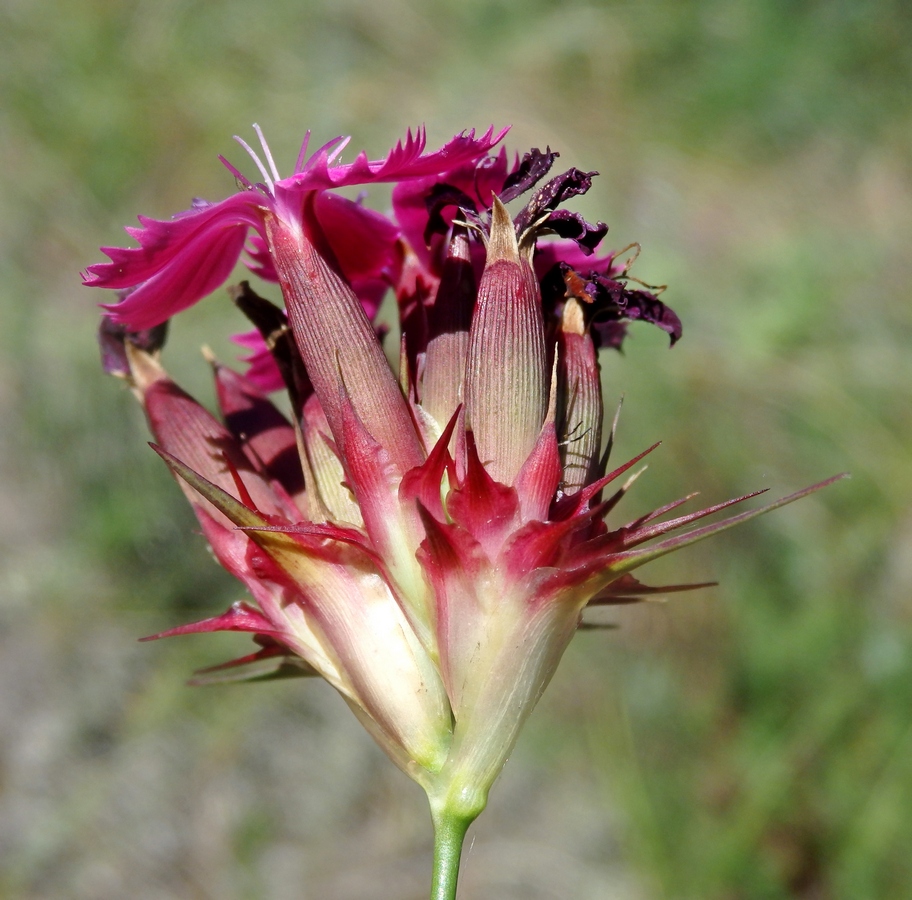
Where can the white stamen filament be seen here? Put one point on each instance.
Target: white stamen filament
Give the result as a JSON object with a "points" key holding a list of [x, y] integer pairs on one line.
{"points": [[241, 179], [267, 152], [302, 153], [257, 161], [343, 143]]}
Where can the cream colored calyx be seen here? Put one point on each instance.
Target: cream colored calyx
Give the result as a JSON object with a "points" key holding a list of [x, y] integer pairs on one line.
{"points": [[145, 369], [573, 321], [502, 244]]}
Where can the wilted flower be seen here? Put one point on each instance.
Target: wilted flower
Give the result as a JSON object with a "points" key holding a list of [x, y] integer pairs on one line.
{"points": [[427, 541]]}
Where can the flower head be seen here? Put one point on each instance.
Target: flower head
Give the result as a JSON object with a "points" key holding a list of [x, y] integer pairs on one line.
{"points": [[425, 540]]}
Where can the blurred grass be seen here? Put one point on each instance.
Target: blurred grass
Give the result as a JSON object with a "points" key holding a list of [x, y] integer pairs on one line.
{"points": [[750, 742]]}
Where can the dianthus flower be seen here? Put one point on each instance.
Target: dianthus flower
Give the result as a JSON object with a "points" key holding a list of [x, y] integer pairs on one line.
{"points": [[425, 540]]}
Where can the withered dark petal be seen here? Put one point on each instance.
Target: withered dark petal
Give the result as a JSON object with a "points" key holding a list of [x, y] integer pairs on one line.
{"points": [[111, 338], [533, 167], [571, 183], [612, 302], [646, 306], [260, 428], [438, 199], [272, 323], [572, 225], [610, 334], [554, 290]]}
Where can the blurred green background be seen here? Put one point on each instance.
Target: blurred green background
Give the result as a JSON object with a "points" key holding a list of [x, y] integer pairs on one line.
{"points": [[749, 741]]}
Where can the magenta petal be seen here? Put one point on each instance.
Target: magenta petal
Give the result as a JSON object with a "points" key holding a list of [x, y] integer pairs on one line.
{"points": [[406, 160], [265, 434], [549, 253], [204, 266], [477, 180], [260, 261], [411, 212], [178, 261], [365, 267], [262, 369], [415, 289], [160, 241], [363, 241], [240, 617]]}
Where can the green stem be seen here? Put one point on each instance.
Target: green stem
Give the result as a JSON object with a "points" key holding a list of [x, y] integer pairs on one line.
{"points": [[449, 833]]}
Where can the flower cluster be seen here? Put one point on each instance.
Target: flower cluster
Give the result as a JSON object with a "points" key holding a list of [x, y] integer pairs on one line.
{"points": [[425, 540]]}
